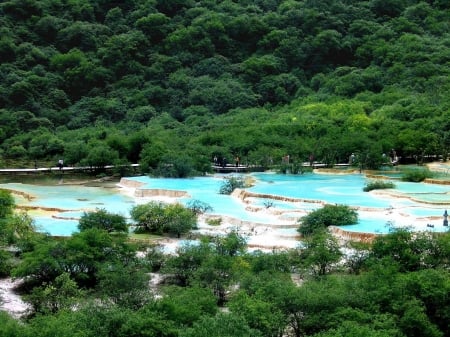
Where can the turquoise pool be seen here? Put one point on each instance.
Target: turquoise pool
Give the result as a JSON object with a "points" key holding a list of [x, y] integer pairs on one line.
{"points": [[410, 199]]}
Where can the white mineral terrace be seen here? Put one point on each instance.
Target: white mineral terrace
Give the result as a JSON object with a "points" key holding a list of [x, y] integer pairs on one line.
{"points": [[278, 231], [9, 300]]}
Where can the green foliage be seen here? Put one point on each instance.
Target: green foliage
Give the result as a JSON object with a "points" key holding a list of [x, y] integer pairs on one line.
{"points": [[7, 203], [102, 219], [321, 252], [328, 215], [100, 156], [18, 229], [378, 185], [199, 207], [125, 285], [264, 310], [180, 220], [231, 244], [187, 305], [370, 79], [6, 263], [230, 184], [175, 167], [9, 326], [221, 325], [161, 218], [412, 251], [81, 256], [214, 221], [60, 294], [171, 84], [149, 217], [401, 290], [186, 262], [416, 175]]}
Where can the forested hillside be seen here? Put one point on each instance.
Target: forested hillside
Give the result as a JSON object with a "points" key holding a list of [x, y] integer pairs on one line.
{"points": [[178, 81]]}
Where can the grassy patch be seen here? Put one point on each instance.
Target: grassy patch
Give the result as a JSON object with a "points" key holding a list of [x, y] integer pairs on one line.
{"points": [[214, 222], [416, 175], [378, 185], [145, 237]]}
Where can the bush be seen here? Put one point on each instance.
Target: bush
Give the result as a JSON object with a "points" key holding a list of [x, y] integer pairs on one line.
{"points": [[103, 219], [198, 207], [329, 215], [159, 218], [230, 184], [378, 185], [293, 168], [416, 175], [214, 222], [7, 203], [5, 263]]}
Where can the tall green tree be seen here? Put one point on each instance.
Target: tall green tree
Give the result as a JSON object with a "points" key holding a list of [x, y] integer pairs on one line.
{"points": [[321, 253]]}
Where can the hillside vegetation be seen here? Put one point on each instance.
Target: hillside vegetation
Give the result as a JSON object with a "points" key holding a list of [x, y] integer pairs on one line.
{"points": [[173, 83]]}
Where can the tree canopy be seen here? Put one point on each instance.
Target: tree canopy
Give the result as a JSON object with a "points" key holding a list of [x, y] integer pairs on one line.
{"points": [[85, 80]]}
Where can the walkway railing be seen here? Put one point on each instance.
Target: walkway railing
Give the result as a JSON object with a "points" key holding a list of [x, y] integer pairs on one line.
{"points": [[56, 169]]}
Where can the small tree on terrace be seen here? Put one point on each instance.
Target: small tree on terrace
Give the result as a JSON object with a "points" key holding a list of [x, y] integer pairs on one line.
{"points": [[102, 219], [180, 220], [159, 218], [149, 217], [230, 184], [329, 215], [199, 207]]}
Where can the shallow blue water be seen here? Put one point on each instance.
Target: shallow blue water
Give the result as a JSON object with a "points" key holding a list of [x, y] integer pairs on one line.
{"points": [[205, 189], [337, 189], [56, 227], [75, 197]]}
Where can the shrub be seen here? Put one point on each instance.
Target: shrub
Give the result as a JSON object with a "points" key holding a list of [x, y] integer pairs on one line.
{"points": [[102, 219], [198, 207], [7, 203], [5, 263], [214, 222], [230, 184], [378, 185], [159, 218], [329, 215], [416, 175]]}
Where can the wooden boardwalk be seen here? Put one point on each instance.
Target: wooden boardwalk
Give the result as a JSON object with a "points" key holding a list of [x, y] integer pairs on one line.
{"points": [[238, 169], [55, 169], [229, 168], [255, 168]]}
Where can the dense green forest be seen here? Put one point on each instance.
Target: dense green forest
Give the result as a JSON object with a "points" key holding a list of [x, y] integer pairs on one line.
{"points": [[173, 83]]}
